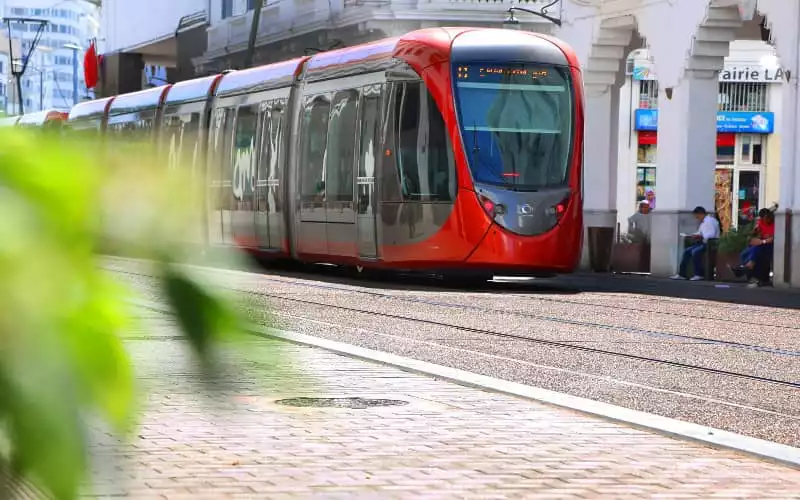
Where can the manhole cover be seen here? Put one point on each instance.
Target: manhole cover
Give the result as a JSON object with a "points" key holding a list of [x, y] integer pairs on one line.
{"points": [[357, 403]]}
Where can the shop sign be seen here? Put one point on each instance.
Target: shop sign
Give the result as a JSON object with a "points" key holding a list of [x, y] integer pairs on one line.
{"points": [[731, 73], [737, 122]]}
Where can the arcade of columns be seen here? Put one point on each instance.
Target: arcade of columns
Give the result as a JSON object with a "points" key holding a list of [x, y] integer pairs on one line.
{"points": [[688, 41]]}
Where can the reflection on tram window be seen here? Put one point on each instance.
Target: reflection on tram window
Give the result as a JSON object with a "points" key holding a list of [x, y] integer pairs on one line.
{"points": [[341, 147], [315, 141], [425, 174], [517, 127], [180, 138], [242, 170]]}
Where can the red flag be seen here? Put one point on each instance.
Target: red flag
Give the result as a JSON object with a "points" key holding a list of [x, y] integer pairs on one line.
{"points": [[90, 69]]}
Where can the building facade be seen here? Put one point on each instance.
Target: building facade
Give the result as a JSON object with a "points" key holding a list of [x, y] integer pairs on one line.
{"points": [[293, 28], [747, 170], [158, 51], [54, 75]]}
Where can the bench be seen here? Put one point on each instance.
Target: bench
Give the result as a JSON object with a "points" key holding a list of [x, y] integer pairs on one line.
{"points": [[709, 258]]}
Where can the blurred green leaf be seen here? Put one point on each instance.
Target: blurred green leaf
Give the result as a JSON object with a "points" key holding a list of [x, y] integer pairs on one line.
{"points": [[61, 355], [203, 316]]}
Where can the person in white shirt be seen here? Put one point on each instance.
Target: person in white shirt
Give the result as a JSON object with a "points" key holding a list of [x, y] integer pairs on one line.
{"points": [[709, 229]]}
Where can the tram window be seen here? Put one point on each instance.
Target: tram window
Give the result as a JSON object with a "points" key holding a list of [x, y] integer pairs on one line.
{"points": [[221, 148], [423, 158], [180, 140], [370, 134], [266, 151], [276, 139], [244, 156], [340, 160], [315, 141]]}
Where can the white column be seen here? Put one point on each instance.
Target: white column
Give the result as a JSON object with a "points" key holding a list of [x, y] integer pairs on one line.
{"points": [[686, 161], [783, 17], [627, 153], [601, 146]]}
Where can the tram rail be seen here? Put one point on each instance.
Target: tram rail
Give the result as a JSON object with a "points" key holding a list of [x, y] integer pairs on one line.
{"points": [[524, 338]]}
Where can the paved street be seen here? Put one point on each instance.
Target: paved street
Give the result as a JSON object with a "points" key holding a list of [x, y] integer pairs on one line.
{"points": [[445, 441]]}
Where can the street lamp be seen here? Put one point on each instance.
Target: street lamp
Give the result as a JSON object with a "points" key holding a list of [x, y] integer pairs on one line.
{"points": [[512, 21], [75, 48]]}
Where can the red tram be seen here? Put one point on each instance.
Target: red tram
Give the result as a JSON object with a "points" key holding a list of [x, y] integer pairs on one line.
{"points": [[445, 150]]}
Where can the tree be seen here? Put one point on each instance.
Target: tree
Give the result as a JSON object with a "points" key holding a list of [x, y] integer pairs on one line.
{"points": [[61, 199]]}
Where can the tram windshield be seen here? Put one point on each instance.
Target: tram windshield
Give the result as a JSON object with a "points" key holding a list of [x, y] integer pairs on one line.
{"points": [[517, 123]]}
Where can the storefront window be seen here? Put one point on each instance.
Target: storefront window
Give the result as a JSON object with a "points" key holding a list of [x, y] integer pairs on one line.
{"points": [[726, 155], [647, 153], [751, 149], [646, 185]]}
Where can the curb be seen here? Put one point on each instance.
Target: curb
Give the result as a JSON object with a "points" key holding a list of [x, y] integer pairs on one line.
{"points": [[783, 454]]}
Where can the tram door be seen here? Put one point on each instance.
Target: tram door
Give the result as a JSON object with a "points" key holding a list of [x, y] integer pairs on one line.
{"points": [[269, 222], [340, 213], [365, 181]]}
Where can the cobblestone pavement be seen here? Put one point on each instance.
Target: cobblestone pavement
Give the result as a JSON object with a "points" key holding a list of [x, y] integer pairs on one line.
{"points": [[447, 441]]}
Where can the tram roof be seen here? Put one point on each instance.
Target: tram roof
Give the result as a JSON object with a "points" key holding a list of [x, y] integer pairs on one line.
{"points": [[90, 109], [138, 101], [196, 90], [261, 78], [40, 117], [336, 62]]}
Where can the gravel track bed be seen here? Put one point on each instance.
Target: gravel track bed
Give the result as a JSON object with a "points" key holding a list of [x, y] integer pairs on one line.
{"points": [[752, 408], [606, 337]]}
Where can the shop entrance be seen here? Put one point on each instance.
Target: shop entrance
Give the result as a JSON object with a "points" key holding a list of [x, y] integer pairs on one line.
{"points": [[739, 181]]}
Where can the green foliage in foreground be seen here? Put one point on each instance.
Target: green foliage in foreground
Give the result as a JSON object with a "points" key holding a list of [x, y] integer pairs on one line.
{"points": [[61, 358]]}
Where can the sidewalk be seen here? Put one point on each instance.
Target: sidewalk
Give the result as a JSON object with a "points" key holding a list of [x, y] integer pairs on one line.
{"points": [[719, 291], [443, 441]]}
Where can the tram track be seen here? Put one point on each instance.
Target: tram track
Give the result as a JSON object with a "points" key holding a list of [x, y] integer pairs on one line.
{"points": [[736, 312], [544, 317], [527, 339]]}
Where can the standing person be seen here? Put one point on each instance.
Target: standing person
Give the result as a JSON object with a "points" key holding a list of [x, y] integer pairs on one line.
{"points": [[650, 197], [708, 230]]}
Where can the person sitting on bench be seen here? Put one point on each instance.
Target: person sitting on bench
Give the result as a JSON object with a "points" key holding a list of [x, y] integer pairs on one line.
{"points": [[709, 230], [761, 246]]}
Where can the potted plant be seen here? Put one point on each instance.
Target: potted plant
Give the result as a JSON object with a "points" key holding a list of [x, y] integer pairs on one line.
{"points": [[731, 244], [631, 254]]}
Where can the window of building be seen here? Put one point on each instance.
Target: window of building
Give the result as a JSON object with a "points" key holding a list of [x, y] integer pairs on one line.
{"points": [[733, 96], [743, 96], [315, 142], [751, 149], [648, 94], [340, 159]]}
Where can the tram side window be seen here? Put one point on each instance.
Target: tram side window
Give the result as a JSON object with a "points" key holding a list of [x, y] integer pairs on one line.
{"points": [[424, 158], [220, 184], [340, 160], [266, 152], [315, 139], [181, 141], [276, 139], [244, 156]]}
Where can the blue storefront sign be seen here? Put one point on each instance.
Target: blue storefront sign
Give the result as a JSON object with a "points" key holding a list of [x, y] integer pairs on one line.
{"points": [[737, 122]]}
